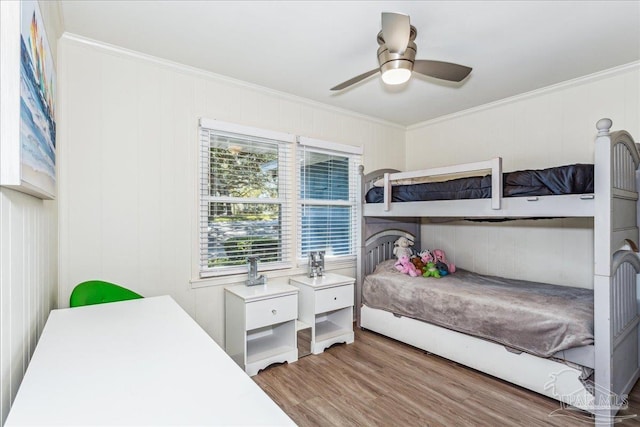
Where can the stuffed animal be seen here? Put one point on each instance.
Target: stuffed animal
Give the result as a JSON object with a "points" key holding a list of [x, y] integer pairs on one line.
{"points": [[402, 248], [440, 257], [426, 256], [442, 268], [403, 265], [417, 262], [430, 270]]}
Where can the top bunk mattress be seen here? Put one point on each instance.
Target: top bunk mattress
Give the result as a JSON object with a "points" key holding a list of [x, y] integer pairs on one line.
{"points": [[568, 179], [538, 318]]}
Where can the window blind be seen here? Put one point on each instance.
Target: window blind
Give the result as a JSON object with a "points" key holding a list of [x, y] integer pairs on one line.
{"points": [[245, 200], [327, 208]]}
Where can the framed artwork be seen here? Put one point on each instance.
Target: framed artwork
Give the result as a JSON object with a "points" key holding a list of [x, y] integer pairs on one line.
{"points": [[28, 102]]}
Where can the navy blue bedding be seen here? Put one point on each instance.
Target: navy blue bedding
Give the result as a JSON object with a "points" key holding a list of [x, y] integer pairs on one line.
{"points": [[569, 179]]}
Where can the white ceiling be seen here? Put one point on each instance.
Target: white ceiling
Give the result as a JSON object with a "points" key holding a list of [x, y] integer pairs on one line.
{"points": [[306, 47]]}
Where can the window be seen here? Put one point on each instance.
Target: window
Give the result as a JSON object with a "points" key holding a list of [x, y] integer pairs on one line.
{"points": [[327, 207], [245, 198]]}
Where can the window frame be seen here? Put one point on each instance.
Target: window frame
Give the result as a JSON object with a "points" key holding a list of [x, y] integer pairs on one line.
{"points": [[294, 264], [354, 158], [285, 199]]}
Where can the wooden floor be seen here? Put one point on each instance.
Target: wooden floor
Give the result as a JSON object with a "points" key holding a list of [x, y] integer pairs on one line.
{"points": [[377, 381]]}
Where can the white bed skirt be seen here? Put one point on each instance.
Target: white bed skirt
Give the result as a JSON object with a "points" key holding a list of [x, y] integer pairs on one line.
{"points": [[545, 376]]}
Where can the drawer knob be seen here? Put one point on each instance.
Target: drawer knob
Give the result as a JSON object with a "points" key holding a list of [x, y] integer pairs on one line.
{"points": [[335, 298], [274, 311]]}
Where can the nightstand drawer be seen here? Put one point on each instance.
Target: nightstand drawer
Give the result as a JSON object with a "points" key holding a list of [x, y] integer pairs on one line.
{"points": [[271, 311], [334, 298]]}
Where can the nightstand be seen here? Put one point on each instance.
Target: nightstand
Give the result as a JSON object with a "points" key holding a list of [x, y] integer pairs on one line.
{"points": [[326, 303], [260, 325]]}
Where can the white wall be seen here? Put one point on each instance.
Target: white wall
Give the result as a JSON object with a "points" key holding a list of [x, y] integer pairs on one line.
{"points": [[28, 265], [549, 127], [128, 166]]}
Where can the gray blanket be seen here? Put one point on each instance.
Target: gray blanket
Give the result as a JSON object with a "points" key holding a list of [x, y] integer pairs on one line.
{"points": [[538, 318]]}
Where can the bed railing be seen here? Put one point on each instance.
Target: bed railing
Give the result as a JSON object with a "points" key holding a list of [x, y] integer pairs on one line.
{"points": [[495, 165]]}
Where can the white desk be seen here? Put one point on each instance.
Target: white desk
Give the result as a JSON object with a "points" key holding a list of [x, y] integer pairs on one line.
{"points": [[138, 362]]}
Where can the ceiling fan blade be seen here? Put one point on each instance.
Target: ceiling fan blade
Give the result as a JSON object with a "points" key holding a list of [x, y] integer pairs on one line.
{"points": [[395, 31], [441, 70], [355, 79]]}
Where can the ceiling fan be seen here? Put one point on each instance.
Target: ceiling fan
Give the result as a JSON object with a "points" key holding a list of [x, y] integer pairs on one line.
{"points": [[397, 53]]}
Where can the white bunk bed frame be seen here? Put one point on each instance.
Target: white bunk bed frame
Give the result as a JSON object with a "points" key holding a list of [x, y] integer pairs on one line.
{"points": [[613, 206]]}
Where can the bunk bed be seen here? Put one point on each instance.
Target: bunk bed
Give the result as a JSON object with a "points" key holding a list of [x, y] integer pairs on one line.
{"points": [[596, 374]]}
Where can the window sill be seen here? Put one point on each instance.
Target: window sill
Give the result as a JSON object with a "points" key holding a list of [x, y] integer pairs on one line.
{"points": [[279, 275]]}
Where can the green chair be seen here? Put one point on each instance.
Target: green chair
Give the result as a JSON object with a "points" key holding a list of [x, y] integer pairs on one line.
{"points": [[99, 292]]}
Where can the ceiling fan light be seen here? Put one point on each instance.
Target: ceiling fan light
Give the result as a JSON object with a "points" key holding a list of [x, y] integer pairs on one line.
{"points": [[396, 76]]}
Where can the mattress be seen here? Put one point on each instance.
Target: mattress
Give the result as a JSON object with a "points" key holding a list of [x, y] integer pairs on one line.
{"points": [[540, 319], [568, 179]]}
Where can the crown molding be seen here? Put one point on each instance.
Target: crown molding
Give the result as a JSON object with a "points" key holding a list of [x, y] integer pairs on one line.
{"points": [[532, 94], [222, 78]]}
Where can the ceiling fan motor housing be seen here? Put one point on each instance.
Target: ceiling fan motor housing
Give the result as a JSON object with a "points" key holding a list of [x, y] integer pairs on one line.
{"points": [[389, 61]]}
